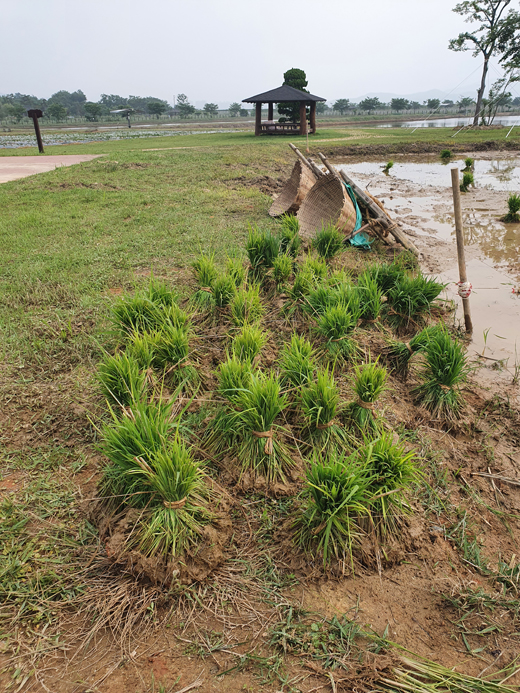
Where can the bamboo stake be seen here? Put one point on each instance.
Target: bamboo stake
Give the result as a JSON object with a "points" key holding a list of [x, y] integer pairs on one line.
{"points": [[455, 184], [376, 211], [310, 164]]}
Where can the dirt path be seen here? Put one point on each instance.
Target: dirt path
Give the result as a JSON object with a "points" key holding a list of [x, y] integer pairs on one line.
{"points": [[15, 167]]}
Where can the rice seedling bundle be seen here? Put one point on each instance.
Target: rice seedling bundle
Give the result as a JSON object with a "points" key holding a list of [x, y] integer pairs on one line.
{"points": [[235, 269], [247, 307], [369, 383], [304, 282], [282, 269], [248, 343], [370, 298], [205, 271], [262, 248], [170, 346], [398, 354], [160, 293], [319, 402], [409, 301], [122, 380], [297, 361], [317, 266], [136, 313], [445, 370], [513, 203], [328, 242], [260, 451], [467, 180], [349, 296], [290, 240], [335, 326], [335, 494], [224, 289], [386, 275], [233, 376], [141, 348], [392, 471], [320, 299]]}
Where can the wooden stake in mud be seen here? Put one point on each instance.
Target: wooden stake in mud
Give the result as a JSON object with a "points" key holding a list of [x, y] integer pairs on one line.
{"points": [[464, 285], [35, 113]]}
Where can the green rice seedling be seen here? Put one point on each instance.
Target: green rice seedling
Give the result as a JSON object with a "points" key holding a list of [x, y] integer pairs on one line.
{"points": [[224, 289], [290, 240], [160, 293], [406, 260], [350, 297], [467, 180], [370, 298], [410, 300], [179, 510], [233, 376], [513, 203], [398, 354], [304, 282], [386, 275], [297, 361], [247, 307], [137, 313], [319, 299], [141, 348], [468, 164], [392, 472], [338, 277], [262, 248], [388, 166], [335, 499], [260, 450], [235, 269], [319, 401], [317, 266], [205, 271], [335, 327], [170, 346], [328, 242], [369, 383], [121, 379], [248, 343], [445, 370], [282, 269], [445, 154]]}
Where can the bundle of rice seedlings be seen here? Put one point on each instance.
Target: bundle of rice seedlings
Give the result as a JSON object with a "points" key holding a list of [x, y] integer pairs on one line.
{"points": [[320, 299], [246, 306], [235, 269], [350, 296], [160, 293], [290, 240], [262, 248], [335, 494], [224, 289], [467, 180], [233, 376], [136, 313], [445, 370], [304, 282], [282, 269], [386, 275], [388, 166], [370, 298], [260, 450], [328, 242], [205, 271], [170, 348], [468, 164], [297, 361], [410, 300], [122, 380], [392, 471], [141, 348], [335, 325], [173, 523], [317, 266], [319, 403], [337, 277], [513, 203], [369, 383], [248, 343], [398, 354], [445, 154]]}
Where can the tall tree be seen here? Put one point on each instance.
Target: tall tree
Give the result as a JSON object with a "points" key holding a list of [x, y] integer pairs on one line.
{"points": [[56, 111], [210, 109], [298, 79], [156, 108], [370, 104], [493, 36], [432, 104], [341, 105], [184, 106], [399, 104], [234, 109], [93, 111]]}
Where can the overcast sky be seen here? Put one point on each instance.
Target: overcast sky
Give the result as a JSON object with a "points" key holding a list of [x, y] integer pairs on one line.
{"points": [[227, 50]]}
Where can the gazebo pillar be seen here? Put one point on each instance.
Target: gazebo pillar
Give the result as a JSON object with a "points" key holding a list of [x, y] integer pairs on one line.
{"points": [[270, 111], [258, 119], [313, 117], [303, 118]]}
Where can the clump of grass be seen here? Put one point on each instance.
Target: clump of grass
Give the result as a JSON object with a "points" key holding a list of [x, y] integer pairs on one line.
{"points": [[122, 380], [392, 471], [248, 343], [468, 164], [410, 300], [388, 166], [233, 376], [335, 498], [160, 293], [290, 240], [235, 269], [370, 297], [297, 361], [319, 401], [328, 242], [261, 451], [369, 383], [445, 154], [445, 370], [262, 248], [224, 289], [246, 306], [282, 269], [398, 354], [335, 326], [467, 180], [513, 203]]}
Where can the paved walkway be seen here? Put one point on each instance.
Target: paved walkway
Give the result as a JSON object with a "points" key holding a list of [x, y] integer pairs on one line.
{"points": [[14, 167]]}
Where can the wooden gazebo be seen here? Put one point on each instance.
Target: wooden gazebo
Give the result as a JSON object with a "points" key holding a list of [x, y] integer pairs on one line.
{"points": [[284, 93]]}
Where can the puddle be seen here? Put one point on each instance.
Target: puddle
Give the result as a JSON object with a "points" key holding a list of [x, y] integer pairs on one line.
{"points": [[455, 122]]}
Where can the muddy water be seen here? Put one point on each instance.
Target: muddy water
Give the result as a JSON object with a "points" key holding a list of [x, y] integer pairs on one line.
{"points": [[418, 194]]}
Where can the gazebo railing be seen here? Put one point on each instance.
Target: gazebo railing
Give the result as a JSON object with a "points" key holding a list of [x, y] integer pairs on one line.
{"points": [[279, 128]]}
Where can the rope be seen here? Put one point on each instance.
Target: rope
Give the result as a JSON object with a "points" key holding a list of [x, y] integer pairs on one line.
{"points": [[407, 344], [464, 289], [268, 435], [323, 427], [366, 405], [175, 505]]}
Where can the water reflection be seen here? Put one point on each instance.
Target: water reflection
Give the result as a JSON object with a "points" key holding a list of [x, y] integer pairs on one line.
{"points": [[455, 122]]}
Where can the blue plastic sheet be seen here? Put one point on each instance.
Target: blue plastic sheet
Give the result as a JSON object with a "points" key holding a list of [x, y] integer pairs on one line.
{"points": [[359, 240]]}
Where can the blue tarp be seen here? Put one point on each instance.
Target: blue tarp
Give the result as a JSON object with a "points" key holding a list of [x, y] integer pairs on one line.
{"points": [[360, 240]]}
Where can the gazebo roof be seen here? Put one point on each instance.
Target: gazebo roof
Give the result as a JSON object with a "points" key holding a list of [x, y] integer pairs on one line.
{"points": [[283, 93]]}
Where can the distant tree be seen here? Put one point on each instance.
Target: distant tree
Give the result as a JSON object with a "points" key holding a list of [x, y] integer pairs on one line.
{"points": [[464, 103], [73, 101], [496, 35], [321, 107], [399, 104], [234, 109], [415, 105], [93, 111], [516, 101], [244, 112], [210, 109], [184, 107], [447, 103], [370, 104], [113, 101], [156, 108], [298, 79], [432, 104], [56, 111], [341, 105]]}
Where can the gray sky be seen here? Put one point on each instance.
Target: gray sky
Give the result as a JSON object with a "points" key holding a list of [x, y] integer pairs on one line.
{"points": [[227, 50]]}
